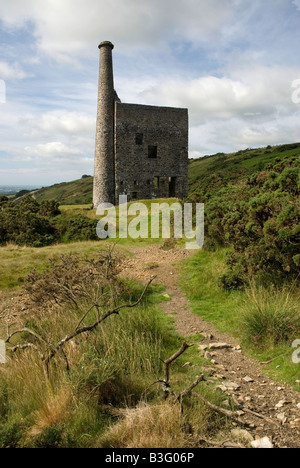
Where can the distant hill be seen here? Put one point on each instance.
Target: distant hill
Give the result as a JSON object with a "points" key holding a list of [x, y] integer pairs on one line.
{"points": [[209, 174], [206, 174], [78, 192]]}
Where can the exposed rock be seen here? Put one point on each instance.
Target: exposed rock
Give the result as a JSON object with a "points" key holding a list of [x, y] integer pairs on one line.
{"points": [[202, 347], [219, 346], [282, 418], [281, 404], [248, 379], [295, 424], [242, 434], [231, 385], [263, 443]]}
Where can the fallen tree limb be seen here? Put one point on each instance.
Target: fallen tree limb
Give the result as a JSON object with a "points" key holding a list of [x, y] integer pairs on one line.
{"points": [[51, 350], [230, 414], [271, 360], [234, 415], [190, 388], [88, 329], [260, 416], [169, 361]]}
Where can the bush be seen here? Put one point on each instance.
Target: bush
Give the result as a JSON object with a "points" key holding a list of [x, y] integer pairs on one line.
{"points": [[27, 222], [10, 435], [260, 221], [74, 228], [51, 438]]}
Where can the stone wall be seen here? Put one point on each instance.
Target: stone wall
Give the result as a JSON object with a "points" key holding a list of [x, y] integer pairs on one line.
{"points": [[151, 151]]}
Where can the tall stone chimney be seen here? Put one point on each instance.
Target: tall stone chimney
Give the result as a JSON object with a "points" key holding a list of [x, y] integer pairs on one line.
{"points": [[104, 176]]}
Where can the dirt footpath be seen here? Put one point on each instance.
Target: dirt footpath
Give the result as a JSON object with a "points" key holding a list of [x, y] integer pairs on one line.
{"points": [[235, 373]]}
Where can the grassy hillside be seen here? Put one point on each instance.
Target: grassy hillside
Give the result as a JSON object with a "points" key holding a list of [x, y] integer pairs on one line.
{"points": [[208, 174], [205, 173], [78, 192]]}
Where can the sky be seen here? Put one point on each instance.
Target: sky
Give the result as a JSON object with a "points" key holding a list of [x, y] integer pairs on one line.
{"points": [[233, 63]]}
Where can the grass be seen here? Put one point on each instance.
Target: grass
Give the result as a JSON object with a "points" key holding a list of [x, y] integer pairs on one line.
{"points": [[109, 386], [17, 262], [209, 172], [68, 193], [265, 321], [200, 276]]}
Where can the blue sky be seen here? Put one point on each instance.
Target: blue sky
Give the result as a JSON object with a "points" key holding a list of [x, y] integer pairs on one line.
{"points": [[231, 62]]}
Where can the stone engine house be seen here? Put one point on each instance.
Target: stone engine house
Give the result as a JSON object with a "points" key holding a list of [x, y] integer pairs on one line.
{"points": [[141, 151]]}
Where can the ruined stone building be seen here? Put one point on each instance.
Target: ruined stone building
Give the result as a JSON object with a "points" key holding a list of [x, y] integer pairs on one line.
{"points": [[141, 151]]}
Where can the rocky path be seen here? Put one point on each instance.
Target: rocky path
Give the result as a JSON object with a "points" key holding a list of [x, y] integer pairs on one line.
{"points": [[234, 373]]}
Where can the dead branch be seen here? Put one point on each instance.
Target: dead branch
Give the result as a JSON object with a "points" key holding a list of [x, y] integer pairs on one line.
{"points": [[52, 350], [234, 415], [88, 329], [166, 380], [272, 360], [260, 416], [167, 364], [26, 346], [86, 314], [190, 388], [230, 414], [30, 332]]}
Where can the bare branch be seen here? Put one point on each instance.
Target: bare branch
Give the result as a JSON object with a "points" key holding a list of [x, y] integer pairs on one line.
{"points": [[169, 361], [85, 315], [30, 332], [26, 346], [90, 328], [190, 388], [230, 414]]}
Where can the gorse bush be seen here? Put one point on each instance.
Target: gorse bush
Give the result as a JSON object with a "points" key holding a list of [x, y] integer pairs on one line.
{"points": [[257, 216], [27, 222], [73, 228]]}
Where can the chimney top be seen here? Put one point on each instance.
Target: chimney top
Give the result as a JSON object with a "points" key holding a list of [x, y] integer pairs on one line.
{"points": [[106, 44]]}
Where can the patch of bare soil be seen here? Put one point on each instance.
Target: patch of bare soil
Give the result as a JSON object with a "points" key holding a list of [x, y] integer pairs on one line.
{"points": [[235, 373]]}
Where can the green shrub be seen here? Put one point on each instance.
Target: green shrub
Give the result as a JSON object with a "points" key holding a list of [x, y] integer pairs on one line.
{"points": [[260, 220], [73, 228], [10, 435], [51, 438]]}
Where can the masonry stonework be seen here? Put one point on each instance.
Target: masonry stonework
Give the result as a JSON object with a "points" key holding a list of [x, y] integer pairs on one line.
{"points": [[141, 151]]}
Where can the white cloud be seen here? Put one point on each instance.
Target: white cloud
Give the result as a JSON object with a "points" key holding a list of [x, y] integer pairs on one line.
{"points": [[231, 62], [69, 28], [59, 122], [11, 71], [55, 149], [257, 91]]}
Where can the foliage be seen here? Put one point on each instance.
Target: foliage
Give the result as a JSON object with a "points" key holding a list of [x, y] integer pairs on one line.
{"points": [[74, 228], [256, 212], [24, 224], [28, 222]]}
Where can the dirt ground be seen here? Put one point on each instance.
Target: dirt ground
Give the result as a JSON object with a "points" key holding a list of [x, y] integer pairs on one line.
{"points": [[236, 374]]}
